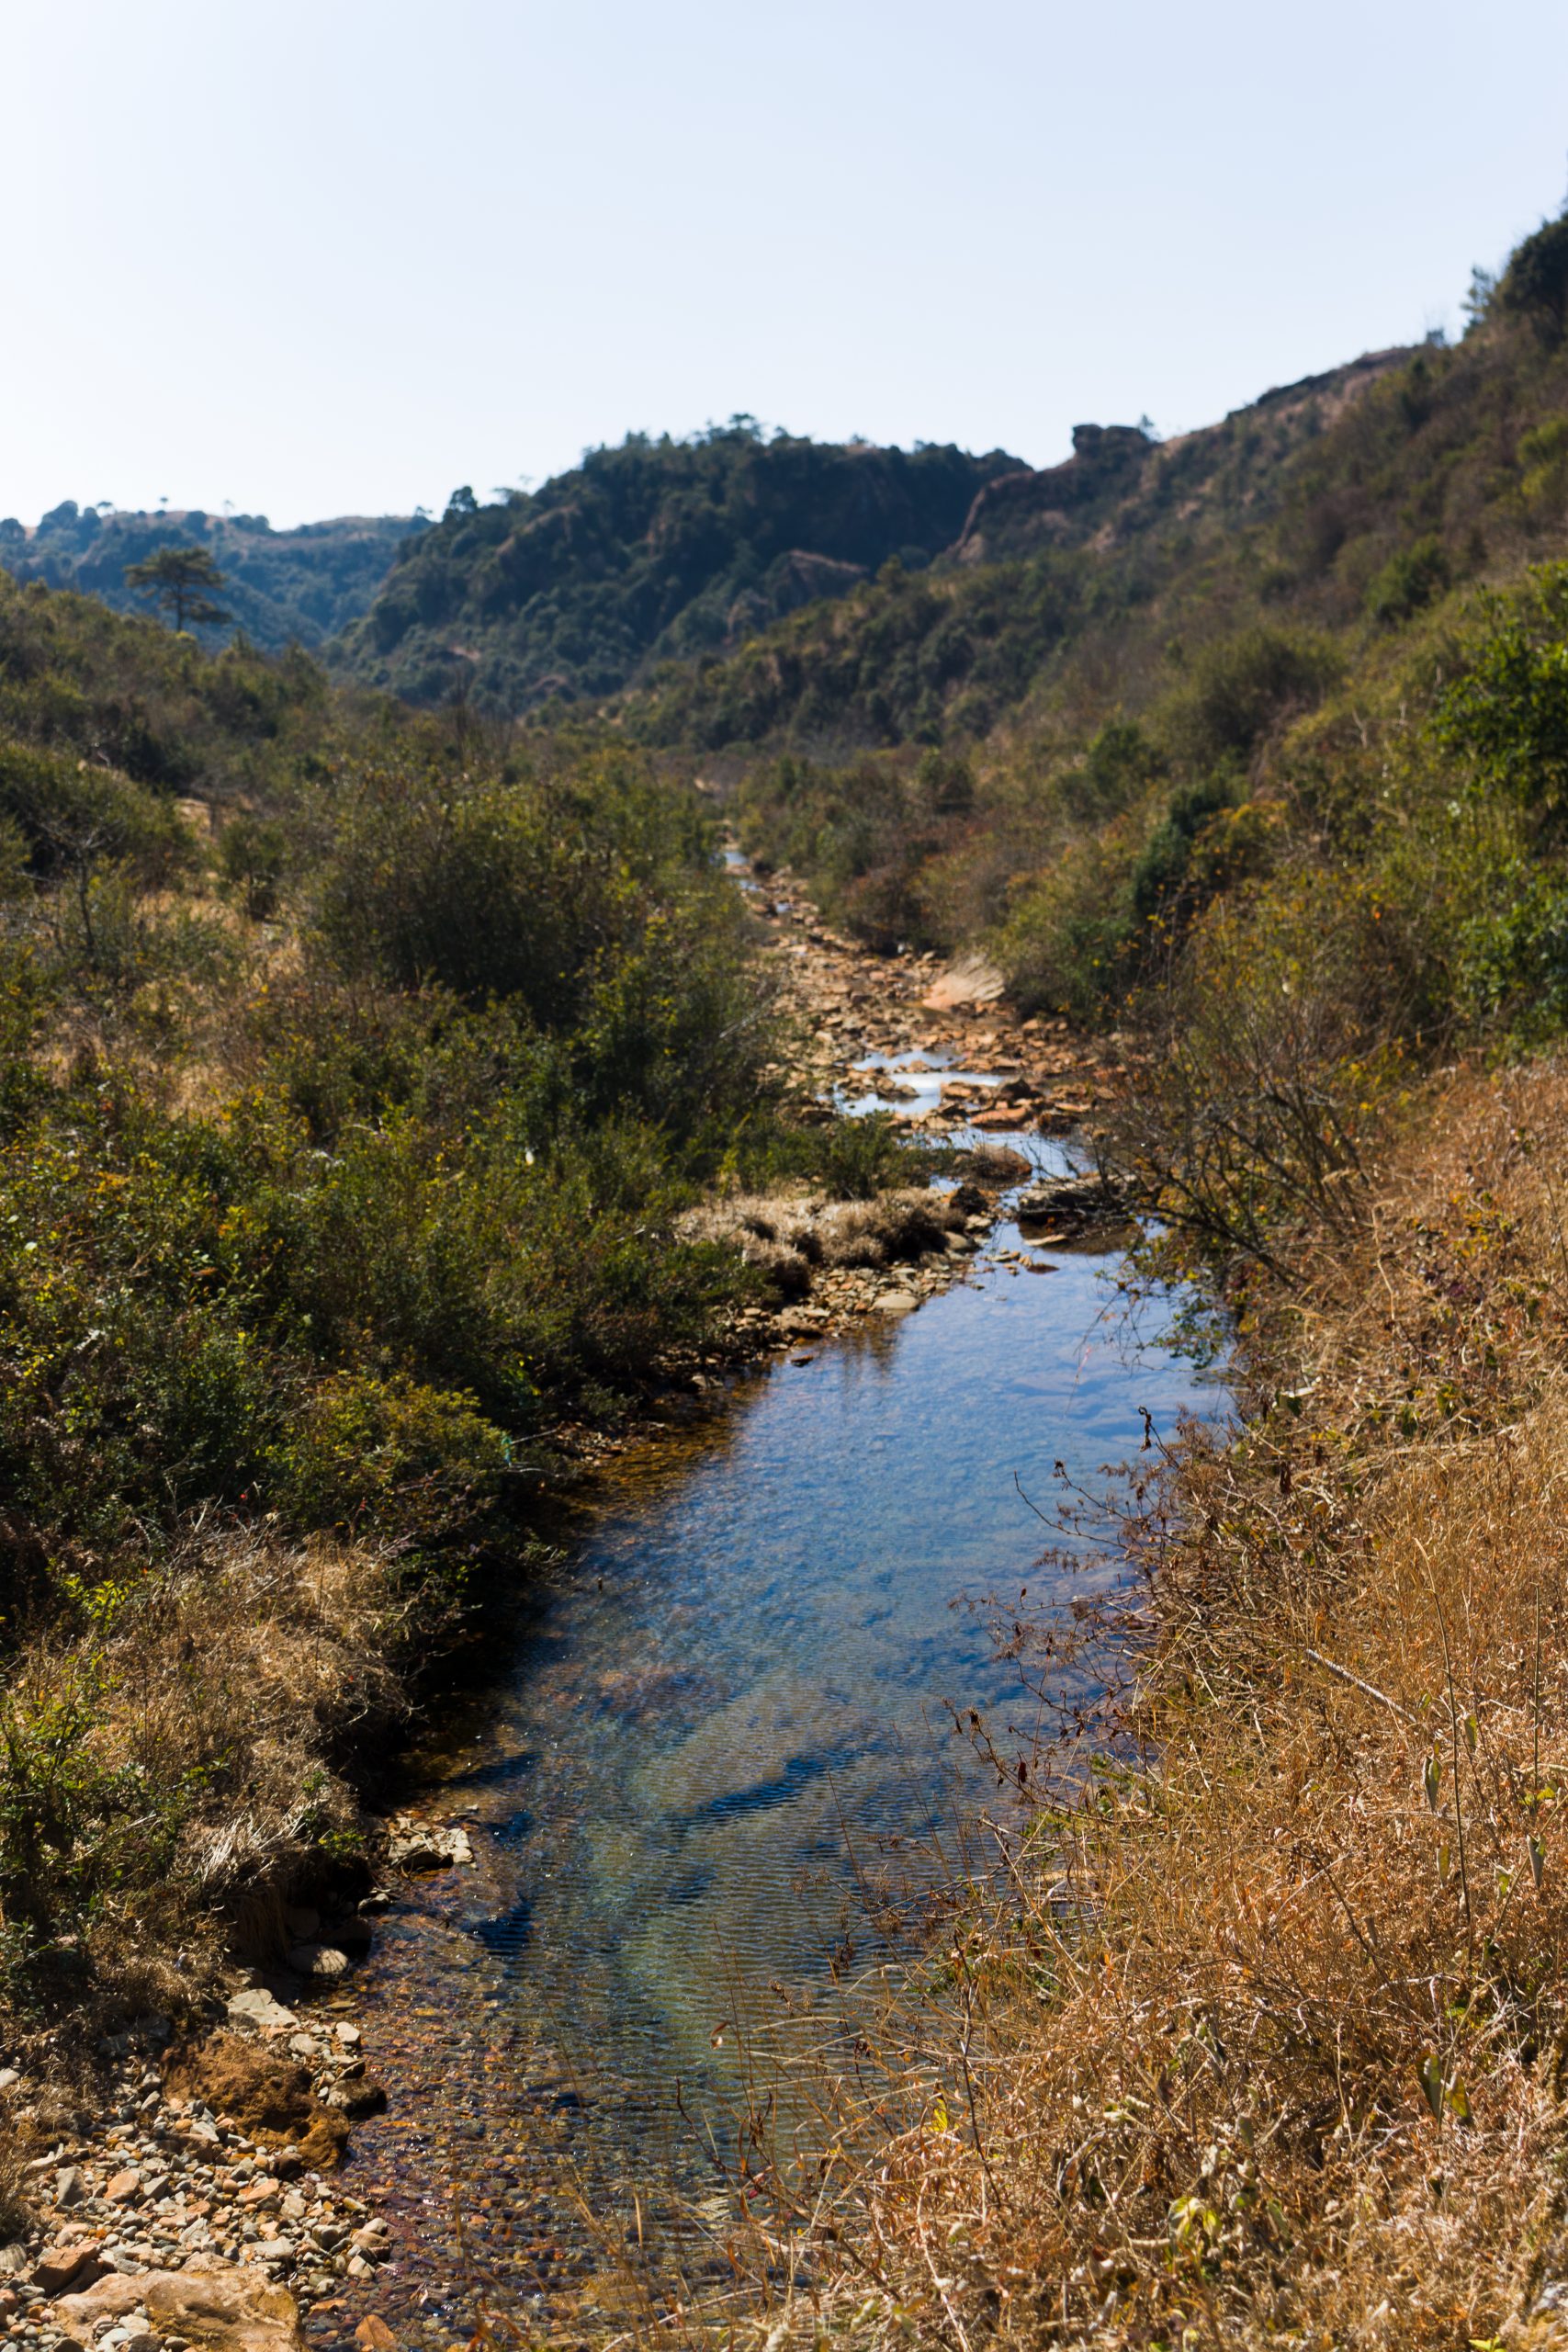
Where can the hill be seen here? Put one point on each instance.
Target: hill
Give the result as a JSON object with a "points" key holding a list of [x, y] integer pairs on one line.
{"points": [[654, 549], [1043, 557], [1123, 645], [301, 586]]}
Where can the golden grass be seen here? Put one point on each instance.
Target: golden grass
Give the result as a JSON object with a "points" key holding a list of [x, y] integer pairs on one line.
{"points": [[1256, 2035], [233, 1683]]}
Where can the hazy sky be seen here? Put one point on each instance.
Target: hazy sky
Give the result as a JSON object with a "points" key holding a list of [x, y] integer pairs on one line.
{"points": [[321, 256]]}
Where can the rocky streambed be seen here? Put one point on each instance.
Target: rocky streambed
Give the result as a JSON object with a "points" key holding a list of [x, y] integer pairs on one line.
{"points": [[751, 1628]]}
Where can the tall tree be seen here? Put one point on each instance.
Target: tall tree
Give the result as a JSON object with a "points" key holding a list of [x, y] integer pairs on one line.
{"points": [[183, 581]]}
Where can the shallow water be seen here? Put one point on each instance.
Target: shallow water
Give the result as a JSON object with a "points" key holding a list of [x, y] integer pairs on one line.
{"points": [[725, 1709]]}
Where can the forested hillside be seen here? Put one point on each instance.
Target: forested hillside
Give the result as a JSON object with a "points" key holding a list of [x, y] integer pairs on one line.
{"points": [[280, 587], [1097, 709], [653, 549]]}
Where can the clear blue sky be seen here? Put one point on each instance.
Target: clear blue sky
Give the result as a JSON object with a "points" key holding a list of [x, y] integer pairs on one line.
{"points": [[321, 256]]}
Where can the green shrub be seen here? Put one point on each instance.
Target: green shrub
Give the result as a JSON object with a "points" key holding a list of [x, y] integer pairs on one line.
{"points": [[73, 815], [1243, 689], [1507, 713], [1408, 581], [77, 1828], [1534, 284], [1275, 1042], [253, 858], [1065, 941], [385, 1456]]}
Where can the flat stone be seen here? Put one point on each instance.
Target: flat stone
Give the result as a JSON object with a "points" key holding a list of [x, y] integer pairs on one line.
{"points": [[125, 2187], [970, 980], [256, 2010], [67, 2266], [895, 1302], [110, 2298], [427, 1848], [224, 2310]]}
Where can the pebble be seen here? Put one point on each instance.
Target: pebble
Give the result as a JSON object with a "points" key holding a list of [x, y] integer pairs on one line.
{"points": [[166, 2183]]}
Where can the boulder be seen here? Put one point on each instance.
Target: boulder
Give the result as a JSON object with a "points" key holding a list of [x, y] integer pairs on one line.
{"points": [[63, 2267], [107, 2298], [969, 981], [224, 2310]]}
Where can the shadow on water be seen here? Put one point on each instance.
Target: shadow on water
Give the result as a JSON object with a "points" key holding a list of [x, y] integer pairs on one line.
{"points": [[727, 1699]]}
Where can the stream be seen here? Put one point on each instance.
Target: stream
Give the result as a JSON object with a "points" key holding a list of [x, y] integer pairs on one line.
{"points": [[723, 1712]]}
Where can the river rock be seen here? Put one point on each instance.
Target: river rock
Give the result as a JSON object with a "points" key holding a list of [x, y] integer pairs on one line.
{"points": [[895, 1302], [318, 1960], [63, 2267], [969, 979], [224, 2310], [421, 1846], [1091, 1199], [255, 2011]]}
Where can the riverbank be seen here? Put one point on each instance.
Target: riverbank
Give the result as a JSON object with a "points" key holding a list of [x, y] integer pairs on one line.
{"points": [[217, 2147], [1264, 2045]]}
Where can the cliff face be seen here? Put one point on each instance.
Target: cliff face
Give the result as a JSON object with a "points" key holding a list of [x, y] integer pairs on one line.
{"points": [[1018, 512]]}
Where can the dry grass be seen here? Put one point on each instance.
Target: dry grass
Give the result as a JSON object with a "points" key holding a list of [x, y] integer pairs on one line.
{"points": [[15, 2216], [1256, 2036], [222, 1697], [789, 1235]]}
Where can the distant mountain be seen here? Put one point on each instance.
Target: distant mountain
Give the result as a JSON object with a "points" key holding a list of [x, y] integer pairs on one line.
{"points": [[653, 550], [304, 585]]}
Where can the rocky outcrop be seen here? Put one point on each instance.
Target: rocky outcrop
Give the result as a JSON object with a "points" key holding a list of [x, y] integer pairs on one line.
{"points": [[213, 2306], [1019, 513]]}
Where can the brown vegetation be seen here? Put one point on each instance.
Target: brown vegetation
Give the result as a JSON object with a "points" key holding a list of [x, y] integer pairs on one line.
{"points": [[1256, 2032], [185, 1767]]}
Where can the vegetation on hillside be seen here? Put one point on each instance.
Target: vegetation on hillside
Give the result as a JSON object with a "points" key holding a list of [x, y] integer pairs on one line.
{"points": [[351, 1079], [653, 549], [1071, 752], [280, 588]]}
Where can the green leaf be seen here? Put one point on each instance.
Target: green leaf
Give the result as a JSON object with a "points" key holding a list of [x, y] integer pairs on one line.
{"points": [[1432, 2084], [1432, 1778], [1536, 1850]]}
